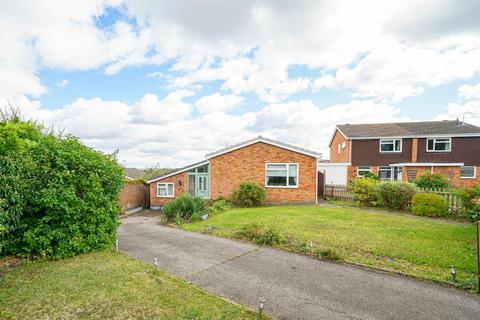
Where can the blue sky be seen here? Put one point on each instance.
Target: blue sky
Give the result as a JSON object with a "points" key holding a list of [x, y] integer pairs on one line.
{"points": [[167, 82]]}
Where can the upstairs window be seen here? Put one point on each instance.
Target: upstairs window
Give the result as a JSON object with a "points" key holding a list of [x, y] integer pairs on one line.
{"points": [[439, 145], [281, 175], [165, 190], [391, 145], [468, 172]]}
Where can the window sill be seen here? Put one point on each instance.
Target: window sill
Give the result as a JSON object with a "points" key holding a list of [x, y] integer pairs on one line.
{"points": [[468, 177], [442, 151], [282, 187], [165, 196]]}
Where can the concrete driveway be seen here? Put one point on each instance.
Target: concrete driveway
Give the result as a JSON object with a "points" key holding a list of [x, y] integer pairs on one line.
{"points": [[294, 286]]}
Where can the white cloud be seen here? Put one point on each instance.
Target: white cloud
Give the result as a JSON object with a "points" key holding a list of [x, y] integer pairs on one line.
{"points": [[63, 83], [218, 103], [466, 108]]}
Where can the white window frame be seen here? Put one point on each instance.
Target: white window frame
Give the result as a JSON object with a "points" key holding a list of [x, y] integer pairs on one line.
{"points": [[384, 141], [474, 173], [367, 170], [288, 174], [166, 187], [434, 143]]}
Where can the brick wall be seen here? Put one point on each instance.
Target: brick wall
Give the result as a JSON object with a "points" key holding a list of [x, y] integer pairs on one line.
{"points": [[344, 155], [228, 170], [133, 195], [180, 185]]}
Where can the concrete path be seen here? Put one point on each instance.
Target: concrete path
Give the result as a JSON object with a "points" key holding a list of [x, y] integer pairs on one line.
{"points": [[294, 286]]}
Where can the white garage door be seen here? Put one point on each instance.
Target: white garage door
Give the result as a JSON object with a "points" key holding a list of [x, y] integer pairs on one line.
{"points": [[334, 173]]}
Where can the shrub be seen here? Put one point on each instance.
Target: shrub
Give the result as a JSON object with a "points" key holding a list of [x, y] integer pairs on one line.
{"points": [[184, 208], [330, 254], [371, 175], [395, 195], [365, 190], [470, 199], [257, 233], [432, 181], [218, 206], [248, 194], [430, 205], [58, 197]]}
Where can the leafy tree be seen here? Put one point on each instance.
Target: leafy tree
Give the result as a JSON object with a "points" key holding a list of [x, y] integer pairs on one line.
{"points": [[58, 197]]}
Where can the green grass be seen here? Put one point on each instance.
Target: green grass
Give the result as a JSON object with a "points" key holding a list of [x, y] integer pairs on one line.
{"points": [[105, 285], [415, 246]]}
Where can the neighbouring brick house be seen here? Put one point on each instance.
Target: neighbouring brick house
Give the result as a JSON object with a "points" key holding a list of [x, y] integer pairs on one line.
{"points": [[404, 151], [288, 173]]}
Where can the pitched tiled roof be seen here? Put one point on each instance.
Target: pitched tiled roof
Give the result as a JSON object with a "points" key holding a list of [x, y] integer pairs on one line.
{"points": [[133, 173], [408, 129]]}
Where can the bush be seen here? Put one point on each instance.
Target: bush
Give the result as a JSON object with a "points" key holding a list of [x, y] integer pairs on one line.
{"points": [[430, 205], [249, 194], [184, 208], [257, 233], [365, 190], [218, 206], [371, 175], [58, 197], [470, 199], [432, 181], [395, 195]]}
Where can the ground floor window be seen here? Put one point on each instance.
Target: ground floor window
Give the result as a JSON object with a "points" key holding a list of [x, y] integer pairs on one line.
{"points": [[165, 190], [281, 175], [390, 173], [363, 170], [468, 172]]}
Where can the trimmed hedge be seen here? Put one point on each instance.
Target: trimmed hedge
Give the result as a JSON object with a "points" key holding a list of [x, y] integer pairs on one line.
{"points": [[58, 197], [396, 195], [430, 205]]}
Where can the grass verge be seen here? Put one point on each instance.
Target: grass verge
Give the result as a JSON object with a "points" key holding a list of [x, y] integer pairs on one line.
{"points": [[106, 285], [415, 246]]}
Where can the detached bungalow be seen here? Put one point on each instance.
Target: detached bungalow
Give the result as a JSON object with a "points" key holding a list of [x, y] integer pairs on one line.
{"points": [[288, 173]]}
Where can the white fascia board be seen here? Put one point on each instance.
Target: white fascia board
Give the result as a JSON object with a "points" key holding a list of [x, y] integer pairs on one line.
{"points": [[464, 135], [267, 141], [193, 166], [427, 164]]}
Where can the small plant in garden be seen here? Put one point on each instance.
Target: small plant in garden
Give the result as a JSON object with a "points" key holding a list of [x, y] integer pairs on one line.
{"points": [[430, 205], [365, 190], [330, 254], [249, 194], [184, 208], [396, 195], [218, 206], [432, 181], [470, 199], [259, 234]]}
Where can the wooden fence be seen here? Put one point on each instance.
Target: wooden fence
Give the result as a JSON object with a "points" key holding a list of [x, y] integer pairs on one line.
{"points": [[343, 192]]}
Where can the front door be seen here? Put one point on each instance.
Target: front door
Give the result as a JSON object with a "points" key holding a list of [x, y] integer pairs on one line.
{"points": [[201, 185]]}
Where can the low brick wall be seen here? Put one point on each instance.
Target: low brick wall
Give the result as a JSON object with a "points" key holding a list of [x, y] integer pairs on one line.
{"points": [[133, 195]]}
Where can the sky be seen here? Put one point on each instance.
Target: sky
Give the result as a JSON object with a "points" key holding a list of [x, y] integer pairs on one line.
{"points": [[165, 82]]}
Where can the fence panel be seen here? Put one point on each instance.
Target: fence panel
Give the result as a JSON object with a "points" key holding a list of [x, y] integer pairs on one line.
{"points": [[343, 192], [338, 192]]}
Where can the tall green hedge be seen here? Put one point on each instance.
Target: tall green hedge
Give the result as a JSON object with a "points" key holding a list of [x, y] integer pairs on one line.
{"points": [[58, 197]]}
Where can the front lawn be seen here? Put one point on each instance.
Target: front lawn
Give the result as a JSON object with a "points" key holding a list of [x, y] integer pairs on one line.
{"points": [[105, 285], [416, 246]]}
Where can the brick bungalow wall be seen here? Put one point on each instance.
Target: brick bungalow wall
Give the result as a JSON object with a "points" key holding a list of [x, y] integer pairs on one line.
{"points": [[133, 195], [180, 181], [228, 170]]}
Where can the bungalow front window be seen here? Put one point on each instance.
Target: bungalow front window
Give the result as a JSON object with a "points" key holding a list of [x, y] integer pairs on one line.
{"points": [[439, 145], [165, 190], [281, 175], [391, 145]]}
